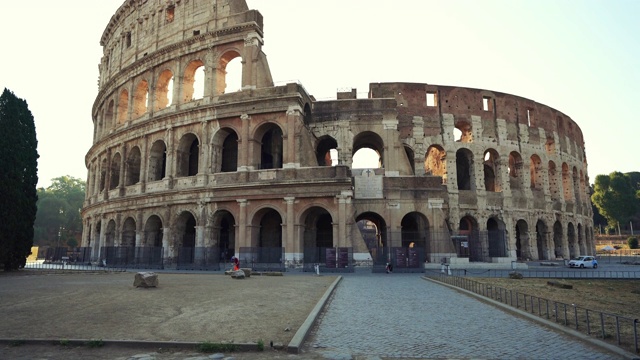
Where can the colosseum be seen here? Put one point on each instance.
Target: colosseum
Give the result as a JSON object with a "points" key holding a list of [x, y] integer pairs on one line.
{"points": [[186, 171]]}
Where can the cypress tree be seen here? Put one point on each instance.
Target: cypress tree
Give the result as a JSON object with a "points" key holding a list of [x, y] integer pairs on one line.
{"points": [[18, 180]]}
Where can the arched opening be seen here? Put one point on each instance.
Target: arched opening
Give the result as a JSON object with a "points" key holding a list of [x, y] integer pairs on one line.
{"points": [[128, 233], [114, 181], [515, 170], [462, 132], [141, 99], [326, 151], [557, 240], [157, 161], [318, 238], [225, 151], [574, 247], [435, 162], [193, 81], [566, 183], [186, 239], [535, 171], [523, 245], [164, 90], [110, 234], [224, 234], [554, 185], [576, 186], [411, 158], [491, 165], [123, 107], [133, 166], [468, 240], [153, 232], [541, 240], [271, 149], [368, 151], [103, 175], [233, 76], [497, 238], [108, 118], [269, 237], [229, 73], [188, 156], [415, 238], [464, 169], [373, 229]]}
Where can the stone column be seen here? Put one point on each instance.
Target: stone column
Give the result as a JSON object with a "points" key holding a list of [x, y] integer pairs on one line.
{"points": [[241, 240], [292, 244], [294, 117], [244, 145]]}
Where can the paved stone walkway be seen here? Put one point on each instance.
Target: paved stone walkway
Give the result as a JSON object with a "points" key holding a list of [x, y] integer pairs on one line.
{"points": [[372, 316]]}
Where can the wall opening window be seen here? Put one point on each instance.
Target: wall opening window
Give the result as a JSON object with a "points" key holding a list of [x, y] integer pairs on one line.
{"points": [[487, 103], [170, 14], [128, 39], [431, 99]]}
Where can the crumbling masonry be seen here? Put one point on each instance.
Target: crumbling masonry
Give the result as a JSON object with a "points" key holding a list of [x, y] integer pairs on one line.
{"points": [[465, 176]]}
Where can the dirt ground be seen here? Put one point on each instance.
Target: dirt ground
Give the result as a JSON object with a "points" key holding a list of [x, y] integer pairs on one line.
{"points": [[184, 307], [621, 297]]}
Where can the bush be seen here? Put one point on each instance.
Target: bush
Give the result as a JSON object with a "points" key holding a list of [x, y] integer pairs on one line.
{"points": [[632, 242], [208, 347]]}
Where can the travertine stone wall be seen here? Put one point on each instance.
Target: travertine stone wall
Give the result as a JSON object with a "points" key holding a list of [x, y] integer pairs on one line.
{"points": [[181, 161]]}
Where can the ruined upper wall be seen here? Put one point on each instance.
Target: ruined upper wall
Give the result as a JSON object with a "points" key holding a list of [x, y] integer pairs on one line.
{"points": [[466, 102], [142, 27]]}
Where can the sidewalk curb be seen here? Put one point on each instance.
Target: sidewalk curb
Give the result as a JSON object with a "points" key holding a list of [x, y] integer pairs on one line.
{"points": [[303, 331]]}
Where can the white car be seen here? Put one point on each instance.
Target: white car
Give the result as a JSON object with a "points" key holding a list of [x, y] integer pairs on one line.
{"points": [[584, 262]]}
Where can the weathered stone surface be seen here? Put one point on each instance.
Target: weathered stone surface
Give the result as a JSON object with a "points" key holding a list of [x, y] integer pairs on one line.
{"points": [[146, 280], [447, 155], [238, 275]]}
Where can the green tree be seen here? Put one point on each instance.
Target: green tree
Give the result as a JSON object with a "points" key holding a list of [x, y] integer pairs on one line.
{"points": [[615, 197], [58, 222], [18, 180]]}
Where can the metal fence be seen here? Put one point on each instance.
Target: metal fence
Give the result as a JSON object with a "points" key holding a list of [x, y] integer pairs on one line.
{"points": [[328, 259], [551, 274], [262, 258], [402, 259], [620, 330]]}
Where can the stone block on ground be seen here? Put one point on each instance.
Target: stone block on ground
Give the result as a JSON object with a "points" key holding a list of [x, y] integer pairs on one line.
{"points": [[247, 271], [239, 274], [145, 280]]}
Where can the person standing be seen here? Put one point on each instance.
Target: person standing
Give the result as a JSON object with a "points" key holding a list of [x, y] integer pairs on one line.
{"points": [[236, 263]]}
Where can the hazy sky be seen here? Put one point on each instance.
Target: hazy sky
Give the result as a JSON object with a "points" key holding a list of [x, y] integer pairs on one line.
{"points": [[581, 57]]}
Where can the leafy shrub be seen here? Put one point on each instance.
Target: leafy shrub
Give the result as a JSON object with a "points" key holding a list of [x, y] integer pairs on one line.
{"points": [[632, 242], [207, 347], [96, 343], [260, 345]]}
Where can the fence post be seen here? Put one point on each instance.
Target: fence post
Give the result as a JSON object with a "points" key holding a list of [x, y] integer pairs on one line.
{"points": [[635, 333], [602, 325]]}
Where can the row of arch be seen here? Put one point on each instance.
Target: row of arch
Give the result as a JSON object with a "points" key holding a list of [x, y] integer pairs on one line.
{"points": [[481, 243], [154, 92]]}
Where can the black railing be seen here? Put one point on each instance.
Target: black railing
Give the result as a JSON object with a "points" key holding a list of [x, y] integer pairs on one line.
{"points": [[328, 259], [621, 330], [262, 258]]}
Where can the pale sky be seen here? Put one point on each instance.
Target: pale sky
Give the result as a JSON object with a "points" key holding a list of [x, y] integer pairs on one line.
{"points": [[581, 57]]}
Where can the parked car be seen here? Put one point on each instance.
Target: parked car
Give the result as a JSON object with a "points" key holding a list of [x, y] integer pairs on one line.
{"points": [[584, 262]]}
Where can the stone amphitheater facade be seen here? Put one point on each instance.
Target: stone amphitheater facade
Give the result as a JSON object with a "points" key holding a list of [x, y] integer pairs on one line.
{"points": [[466, 175]]}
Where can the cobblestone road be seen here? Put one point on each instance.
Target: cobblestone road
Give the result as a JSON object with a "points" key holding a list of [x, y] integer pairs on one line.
{"points": [[402, 315]]}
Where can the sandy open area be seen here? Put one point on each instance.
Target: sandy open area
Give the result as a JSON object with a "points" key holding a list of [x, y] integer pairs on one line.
{"points": [[184, 307]]}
